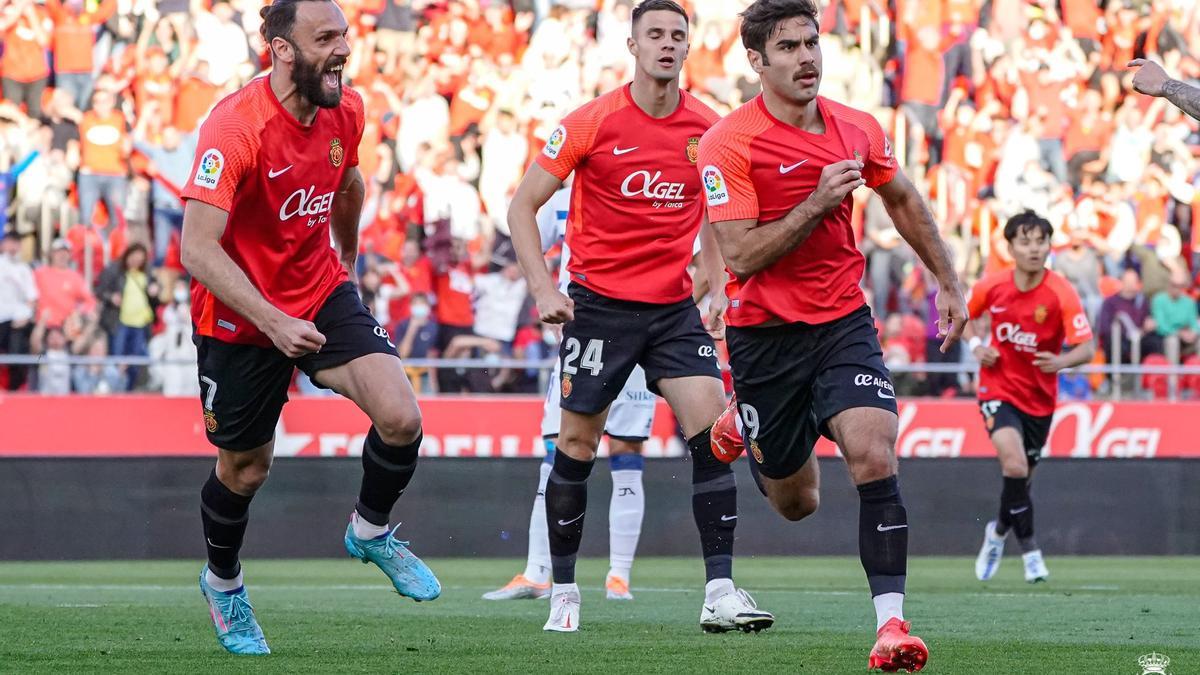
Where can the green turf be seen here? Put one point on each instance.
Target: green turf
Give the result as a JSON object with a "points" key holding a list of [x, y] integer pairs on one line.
{"points": [[1097, 615]]}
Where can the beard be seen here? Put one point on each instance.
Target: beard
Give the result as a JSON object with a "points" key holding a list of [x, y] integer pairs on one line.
{"points": [[308, 75]]}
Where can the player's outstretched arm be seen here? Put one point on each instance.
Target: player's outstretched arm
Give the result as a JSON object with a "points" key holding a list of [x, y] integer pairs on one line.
{"points": [[535, 190], [347, 209], [1152, 80], [915, 223], [750, 247], [205, 259]]}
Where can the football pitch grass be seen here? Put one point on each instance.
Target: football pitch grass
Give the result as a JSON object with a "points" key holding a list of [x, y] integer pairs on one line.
{"points": [[1096, 615]]}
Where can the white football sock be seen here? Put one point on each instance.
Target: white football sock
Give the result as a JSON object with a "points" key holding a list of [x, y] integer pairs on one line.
{"points": [[537, 562], [223, 585], [564, 588], [716, 589], [888, 606], [625, 513], [364, 529]]}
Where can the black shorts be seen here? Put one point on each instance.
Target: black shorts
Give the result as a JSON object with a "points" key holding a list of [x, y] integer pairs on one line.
{"points": [[608, 337], [791, 379], [1034, 430], [243, 387]]}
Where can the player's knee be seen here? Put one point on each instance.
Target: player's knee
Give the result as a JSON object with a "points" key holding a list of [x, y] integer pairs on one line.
{"points": [[244, 478], [799, 506], [877, 464], [399, 425], [577, 446]]}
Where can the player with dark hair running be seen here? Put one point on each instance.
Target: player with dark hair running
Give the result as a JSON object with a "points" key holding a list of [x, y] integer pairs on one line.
{"points": [[635, 211], [1032, 312], [276, 172], [778, 173]]}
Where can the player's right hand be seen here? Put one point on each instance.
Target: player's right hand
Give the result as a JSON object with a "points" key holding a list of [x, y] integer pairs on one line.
{"points": [[987, 355], [837, 180], [295, 337], [554, 307], [1150, 77]]}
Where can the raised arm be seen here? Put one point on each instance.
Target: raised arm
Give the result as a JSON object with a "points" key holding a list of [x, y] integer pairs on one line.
{"points": [[1152, 80], [205, 259], [915, 223], [749, 246]]}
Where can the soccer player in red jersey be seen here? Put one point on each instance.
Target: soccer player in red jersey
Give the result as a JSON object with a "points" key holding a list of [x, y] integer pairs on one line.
{"points": [[805, 356], [275, 173], [1033, 311], [634, 215]]}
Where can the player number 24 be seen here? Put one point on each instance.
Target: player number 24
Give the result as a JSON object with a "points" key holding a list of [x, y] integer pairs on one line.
{"points": [[593, 356]]}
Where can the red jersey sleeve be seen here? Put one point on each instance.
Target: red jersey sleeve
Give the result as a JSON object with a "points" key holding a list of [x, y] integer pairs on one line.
{"points": [[225, 155], [977, 302], [355, 103], [724, 163], [1074, 320], [571, 141]]}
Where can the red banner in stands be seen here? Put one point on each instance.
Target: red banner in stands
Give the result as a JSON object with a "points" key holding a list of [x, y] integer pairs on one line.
{"points": [[79, 426]]}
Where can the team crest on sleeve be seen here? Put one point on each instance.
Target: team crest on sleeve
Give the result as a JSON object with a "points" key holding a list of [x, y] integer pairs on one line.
{"points": [[208, 172], [336, 152], [567, 387], [693, 149], [887, 146], [555, 145], [715, 190]]}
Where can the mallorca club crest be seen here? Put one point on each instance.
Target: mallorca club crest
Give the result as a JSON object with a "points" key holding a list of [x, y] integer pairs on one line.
{"points": [[1154, 663], [210, 421], [1039, 314], [756, 451], [693, 149], [336, 152], [567, 387]]}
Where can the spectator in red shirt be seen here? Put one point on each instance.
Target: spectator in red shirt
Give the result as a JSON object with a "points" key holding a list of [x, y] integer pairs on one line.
{"points": [[26, 35], [61, 290]]}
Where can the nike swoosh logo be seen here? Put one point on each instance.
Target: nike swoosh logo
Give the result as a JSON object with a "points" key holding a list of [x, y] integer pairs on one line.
{"points": [[884, 395], [1023, 509], [789, 169], [710, 609], [726, 519], [881, 528], [618, 151], [568, 522], [210, 543], [275, 174]]}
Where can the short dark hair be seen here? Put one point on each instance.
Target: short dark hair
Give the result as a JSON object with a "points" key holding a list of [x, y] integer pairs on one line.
{"points": [[1027, 221], [761, 19], [658, 6], [278, 18]]}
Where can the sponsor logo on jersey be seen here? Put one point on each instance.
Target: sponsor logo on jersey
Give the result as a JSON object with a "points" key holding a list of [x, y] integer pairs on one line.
{"points": [[714, 186], [208, 172], [707, 351], [1021, 339], [1039, 314], [336, 152], [868, 380], [303, 202], [1080, 322], [555, 145], [693, 149], [643, 184]]}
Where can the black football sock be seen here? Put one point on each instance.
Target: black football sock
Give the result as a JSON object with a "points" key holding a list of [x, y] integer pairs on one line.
{"points": [[224, 514], [1013, 496], [883, 535], [1017, 505], [387, 469], [714, 506], [566, 504]]}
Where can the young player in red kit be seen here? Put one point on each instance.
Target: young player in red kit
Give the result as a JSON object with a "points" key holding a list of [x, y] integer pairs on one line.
{"points": [[1033, 312], [635, 212], [804, 353], [276, 172]]}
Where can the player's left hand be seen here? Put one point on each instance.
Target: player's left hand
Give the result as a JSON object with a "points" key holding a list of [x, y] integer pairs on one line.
{"points": [[1150, 79], [952, 315], [1047, 362], [714, 323]]}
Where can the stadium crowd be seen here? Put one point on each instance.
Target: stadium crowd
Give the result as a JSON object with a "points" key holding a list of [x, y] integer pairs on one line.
{"points": [[994, 106]]}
